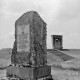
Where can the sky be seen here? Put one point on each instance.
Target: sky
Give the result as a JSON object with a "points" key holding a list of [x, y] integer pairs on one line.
{"points": [[62, 18]]}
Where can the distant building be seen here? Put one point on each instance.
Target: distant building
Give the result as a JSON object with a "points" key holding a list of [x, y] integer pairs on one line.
{"points": [[57, 41]]}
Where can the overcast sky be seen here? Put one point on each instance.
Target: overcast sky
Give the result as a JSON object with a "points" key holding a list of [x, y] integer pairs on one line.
{"points": [[62, 17]]}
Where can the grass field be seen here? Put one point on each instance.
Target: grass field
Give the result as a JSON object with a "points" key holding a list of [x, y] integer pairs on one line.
{"points": [[65, 69], [65, 64]]}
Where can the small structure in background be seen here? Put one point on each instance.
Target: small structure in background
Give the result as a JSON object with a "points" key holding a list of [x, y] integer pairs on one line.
{"points": [[57, 41]]}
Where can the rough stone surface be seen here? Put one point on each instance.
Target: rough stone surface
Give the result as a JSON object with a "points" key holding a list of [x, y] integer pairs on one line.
{"points": [[30, 40], [31, 73]]}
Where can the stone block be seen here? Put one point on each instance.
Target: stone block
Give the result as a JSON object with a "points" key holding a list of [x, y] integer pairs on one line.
{"points": [[29, 72]]}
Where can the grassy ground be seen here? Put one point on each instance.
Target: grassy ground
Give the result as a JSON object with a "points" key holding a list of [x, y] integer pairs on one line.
{"points": [[65, 65]]}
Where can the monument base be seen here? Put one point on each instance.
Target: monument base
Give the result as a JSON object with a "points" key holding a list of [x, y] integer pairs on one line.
{"points": [[30, 73]]}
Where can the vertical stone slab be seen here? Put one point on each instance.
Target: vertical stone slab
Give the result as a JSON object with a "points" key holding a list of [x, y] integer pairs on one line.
{"points": [[30, 40]]}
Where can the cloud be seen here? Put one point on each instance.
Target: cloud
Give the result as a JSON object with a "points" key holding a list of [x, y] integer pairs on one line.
{"points": [[58, 8], [61, 16], [69, 9], [44, 7], [20, 6], [72, 40], [7, 40]]}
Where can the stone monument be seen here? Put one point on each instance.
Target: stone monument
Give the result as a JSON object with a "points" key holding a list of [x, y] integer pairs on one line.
{"points": [[57, 41], [29, 60]]}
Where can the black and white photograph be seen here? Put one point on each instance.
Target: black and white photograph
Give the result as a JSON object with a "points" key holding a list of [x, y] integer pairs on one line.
{"points": [[39, 39]]}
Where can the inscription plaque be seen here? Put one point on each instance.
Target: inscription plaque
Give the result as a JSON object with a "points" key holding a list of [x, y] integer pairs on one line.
{"points": [[23, 38]]}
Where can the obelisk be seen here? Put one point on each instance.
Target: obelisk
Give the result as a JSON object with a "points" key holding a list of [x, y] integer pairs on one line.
{"points": [[29, 51]]}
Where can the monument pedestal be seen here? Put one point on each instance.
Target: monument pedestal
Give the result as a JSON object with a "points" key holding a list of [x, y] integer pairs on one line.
{"points": [[29, 73]]}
